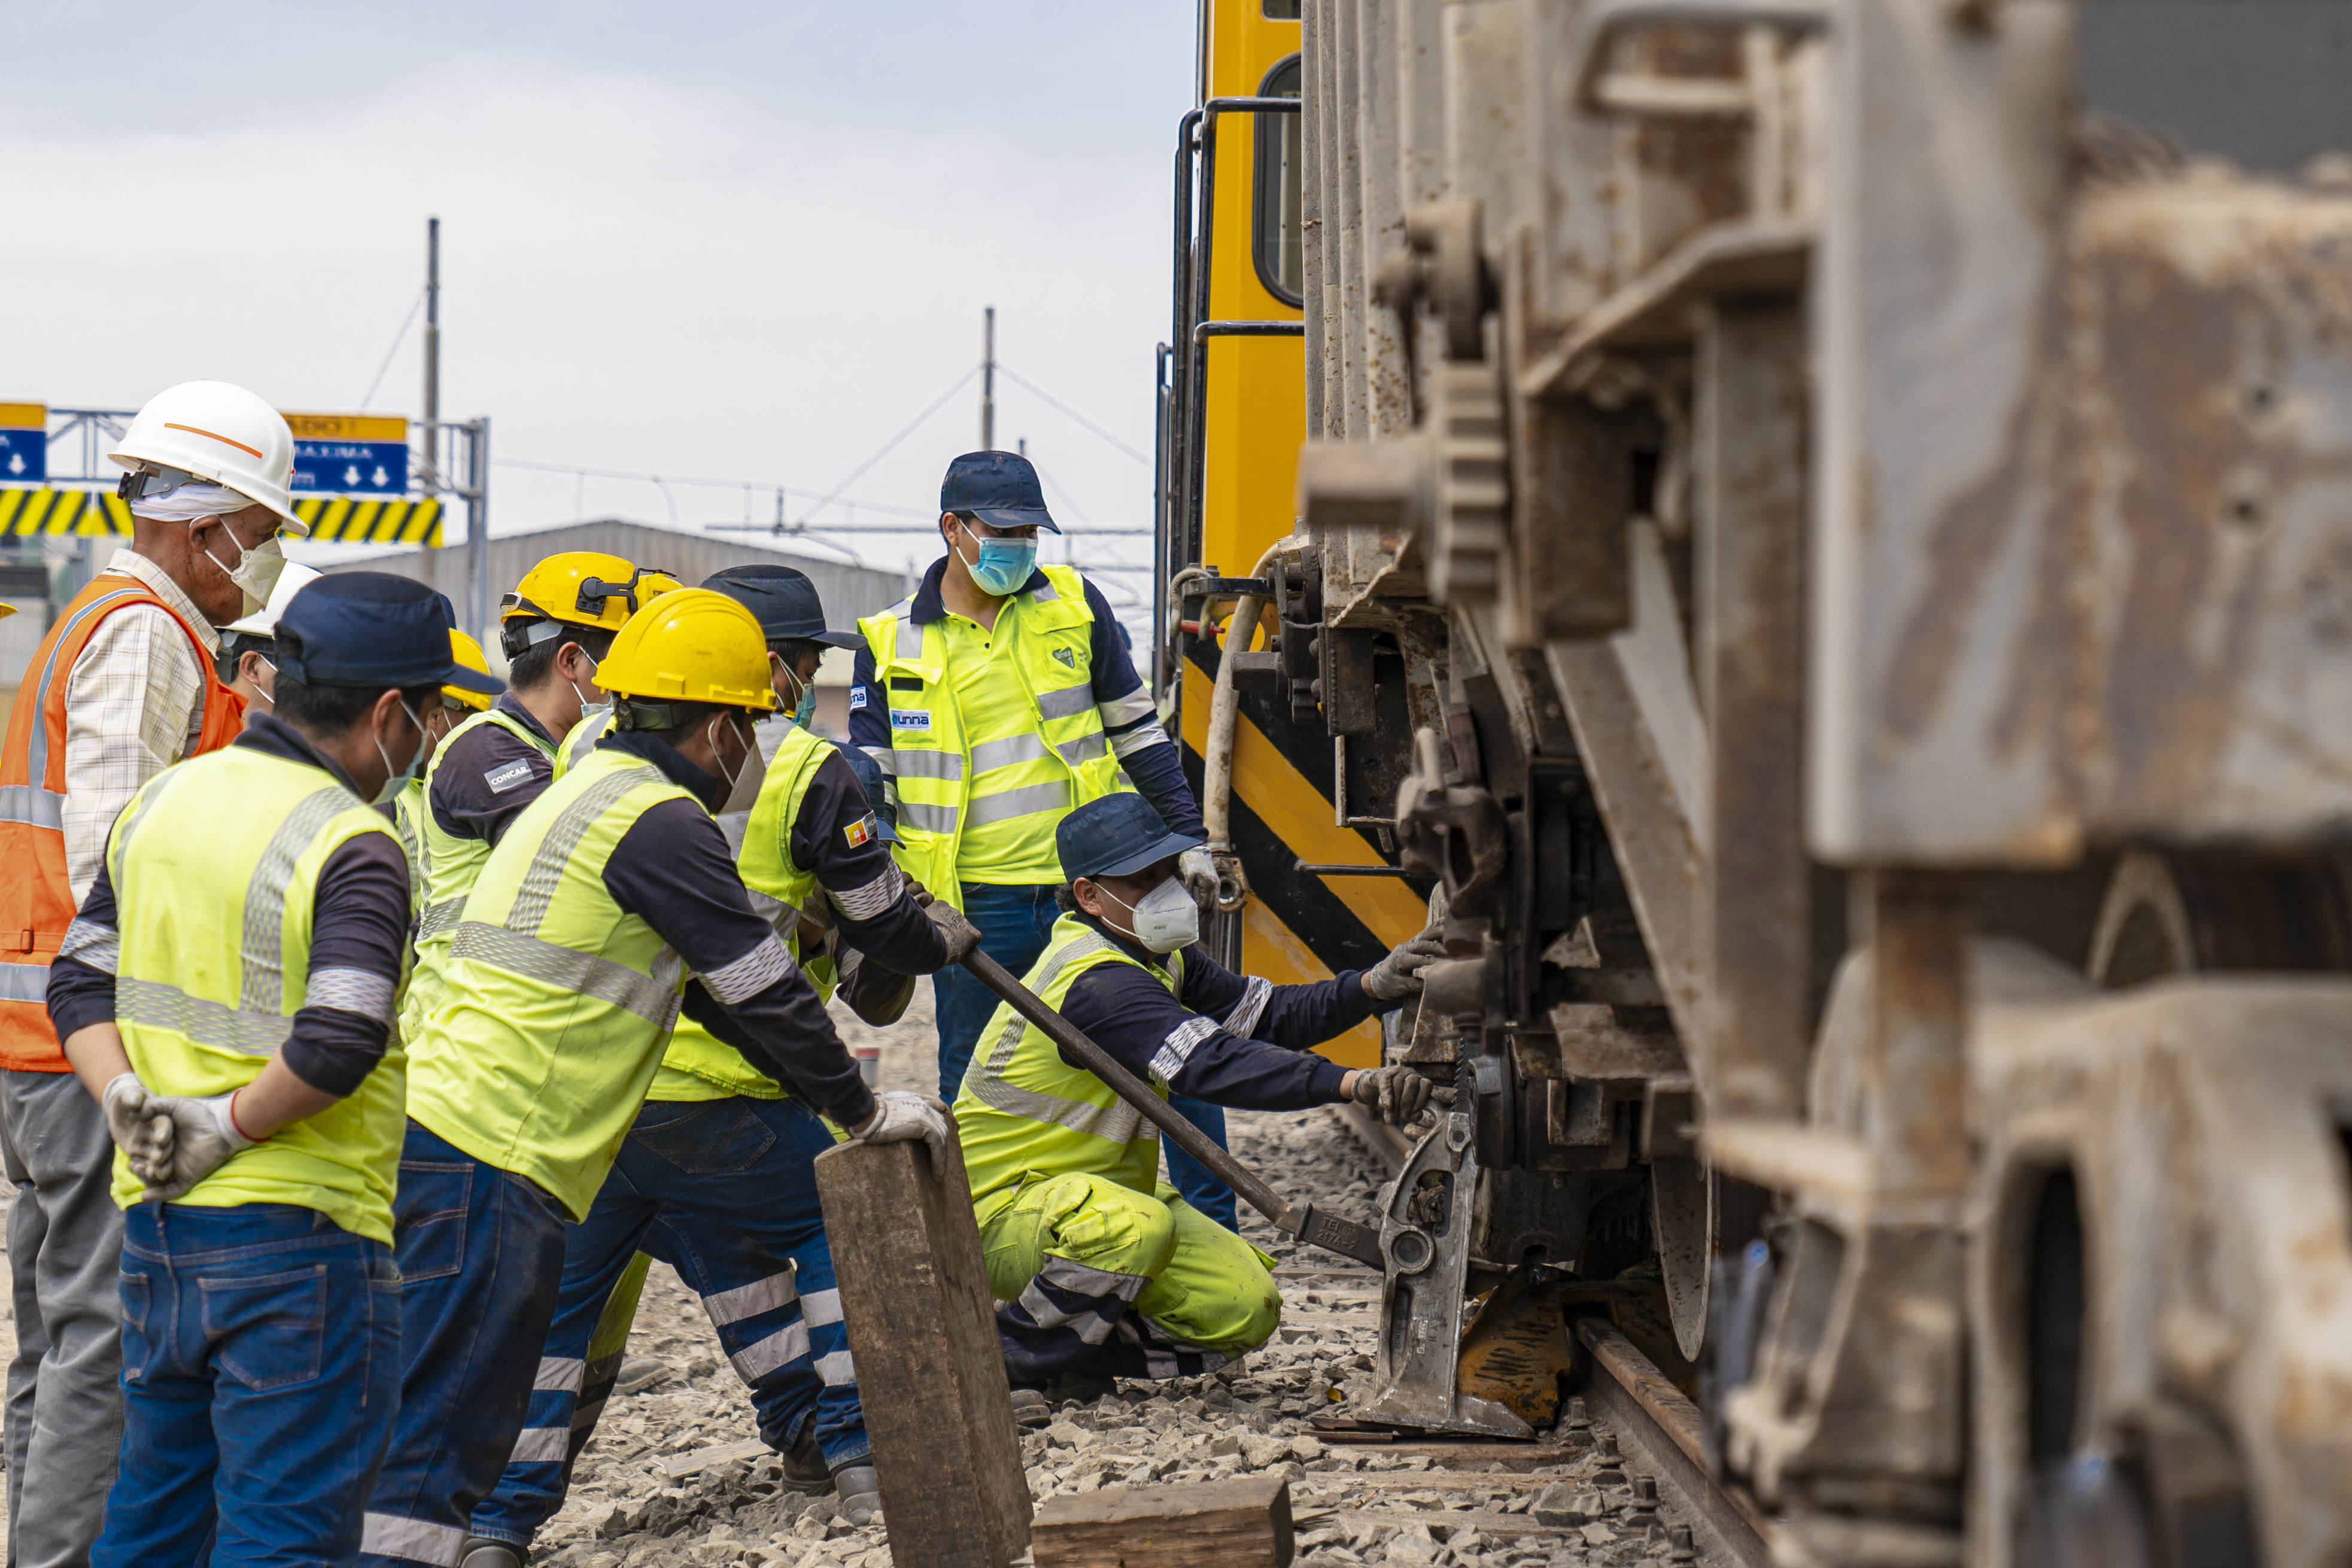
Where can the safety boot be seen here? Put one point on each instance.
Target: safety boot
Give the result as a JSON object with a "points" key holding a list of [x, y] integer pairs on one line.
{"points": [[1031, 1407], [480, 1551], [804, 1467], [858, 1492]]}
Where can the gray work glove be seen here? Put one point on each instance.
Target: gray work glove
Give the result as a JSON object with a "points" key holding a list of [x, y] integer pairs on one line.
{"points": [[1396, 1094], [204, 1135], [1198, 870], [143, 1132], [959, 934], [901, 1114], [1399, 974]]}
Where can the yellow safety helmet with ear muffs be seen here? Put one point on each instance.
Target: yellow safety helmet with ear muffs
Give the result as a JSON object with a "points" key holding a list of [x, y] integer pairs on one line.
{"points": [[577, 588], [693, 646], [468, 653]]}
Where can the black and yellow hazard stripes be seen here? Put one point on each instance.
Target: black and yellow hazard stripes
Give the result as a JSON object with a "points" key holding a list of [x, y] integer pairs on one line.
{"points": [[347, 520], [1298, 926]]}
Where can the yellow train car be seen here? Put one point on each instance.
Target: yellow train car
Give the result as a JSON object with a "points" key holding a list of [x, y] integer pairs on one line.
{"points": [[1233, 401]]}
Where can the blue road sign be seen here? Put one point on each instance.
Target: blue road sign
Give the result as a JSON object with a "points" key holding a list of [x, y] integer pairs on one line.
{"points": [[24, 456], [352, 467]]}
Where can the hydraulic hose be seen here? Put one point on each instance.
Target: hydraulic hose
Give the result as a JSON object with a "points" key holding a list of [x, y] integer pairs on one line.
{"points": [[1217, 762]]}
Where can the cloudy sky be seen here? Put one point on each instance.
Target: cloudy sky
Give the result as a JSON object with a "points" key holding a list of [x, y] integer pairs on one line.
{"points": [[733, 240]]}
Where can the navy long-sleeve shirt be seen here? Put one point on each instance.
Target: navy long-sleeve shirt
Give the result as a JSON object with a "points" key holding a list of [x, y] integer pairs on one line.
{"points": [[833, 837], [359, 933], [484, 780], [673, 871], [1131, 723], [1230, 1039]]}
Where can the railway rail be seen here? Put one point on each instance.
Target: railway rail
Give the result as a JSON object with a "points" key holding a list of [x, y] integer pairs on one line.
{"points": [[1660, 1429]]}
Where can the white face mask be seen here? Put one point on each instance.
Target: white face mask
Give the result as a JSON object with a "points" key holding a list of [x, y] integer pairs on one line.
{"points": [[256, 572], [587, 707], [743, 785], [397, 779], [1165, 918]]}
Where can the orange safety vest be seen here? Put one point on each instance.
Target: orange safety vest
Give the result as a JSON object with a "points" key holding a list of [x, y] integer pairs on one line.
{"points": [[36, 902]]}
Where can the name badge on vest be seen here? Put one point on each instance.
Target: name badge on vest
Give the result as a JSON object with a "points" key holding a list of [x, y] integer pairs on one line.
{"points": [[505, 775], [911, 718]]}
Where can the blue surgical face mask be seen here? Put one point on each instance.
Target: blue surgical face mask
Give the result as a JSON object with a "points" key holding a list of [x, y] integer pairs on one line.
{"points": [[396, 782], [805, 711], [1005, 564]]}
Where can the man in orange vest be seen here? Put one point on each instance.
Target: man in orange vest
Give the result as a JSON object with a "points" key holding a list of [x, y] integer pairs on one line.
{"points": [[123, 687]]}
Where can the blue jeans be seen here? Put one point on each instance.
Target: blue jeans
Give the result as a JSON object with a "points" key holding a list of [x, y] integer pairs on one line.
{"points": [[481, 1255], [1014, 923], [724, 1192], [260, 1376]]}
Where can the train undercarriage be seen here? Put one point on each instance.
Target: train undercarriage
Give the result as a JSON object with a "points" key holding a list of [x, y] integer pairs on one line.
{"points": [[1824, 549]]}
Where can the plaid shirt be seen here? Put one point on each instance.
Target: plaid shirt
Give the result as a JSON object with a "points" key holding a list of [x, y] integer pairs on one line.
{"points": [[134, 705]]}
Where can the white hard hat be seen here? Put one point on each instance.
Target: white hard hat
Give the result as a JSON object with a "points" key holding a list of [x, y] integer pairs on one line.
{"points": [[224, 434], [263, 623]]}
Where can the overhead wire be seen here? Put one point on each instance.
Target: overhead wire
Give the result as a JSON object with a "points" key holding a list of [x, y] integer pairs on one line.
{"points": [[398, 338]]}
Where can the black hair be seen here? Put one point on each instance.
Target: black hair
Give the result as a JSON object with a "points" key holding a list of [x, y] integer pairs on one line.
{"points": [[1066, 898], [328, 711], [234, 646], [789, 650], [531, 665]]}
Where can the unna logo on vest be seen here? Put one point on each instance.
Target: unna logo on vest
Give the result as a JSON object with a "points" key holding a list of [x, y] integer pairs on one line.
{"points": [[911, 718]]}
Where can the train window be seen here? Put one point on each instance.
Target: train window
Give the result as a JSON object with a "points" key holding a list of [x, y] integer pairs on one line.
{"points": [[1281, 10], [1276, 228]]}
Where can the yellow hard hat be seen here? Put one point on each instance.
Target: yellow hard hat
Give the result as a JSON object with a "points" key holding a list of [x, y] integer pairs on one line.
{"points": [[468, 653], [692, 645], [577, 588]]}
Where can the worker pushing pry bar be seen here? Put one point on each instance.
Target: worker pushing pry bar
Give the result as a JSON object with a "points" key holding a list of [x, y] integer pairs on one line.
{"points": [[714, 1178], [1104, 1269]]}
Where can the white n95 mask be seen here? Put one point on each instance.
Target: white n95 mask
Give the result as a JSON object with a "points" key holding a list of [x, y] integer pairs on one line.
{"points": [[1165, 918]]}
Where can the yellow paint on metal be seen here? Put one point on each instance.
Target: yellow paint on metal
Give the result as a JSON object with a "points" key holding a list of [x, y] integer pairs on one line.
{"points": [[1256, 413], [49, 509], [347, 426], [23, 415], [1270, 949]]}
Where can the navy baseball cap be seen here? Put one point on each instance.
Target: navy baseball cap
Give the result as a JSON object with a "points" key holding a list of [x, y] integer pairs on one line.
{"points": [[372, 628], [1114, 835], [785, 602], [998, 487], [869, 777]]}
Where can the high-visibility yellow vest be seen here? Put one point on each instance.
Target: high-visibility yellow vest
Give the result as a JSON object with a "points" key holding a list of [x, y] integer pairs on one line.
{"points": [[986, 773], [408, 813], [557, 1004], [1024, 1112], [216, 867], [699, 1065], [451, 863], [595, 723]]}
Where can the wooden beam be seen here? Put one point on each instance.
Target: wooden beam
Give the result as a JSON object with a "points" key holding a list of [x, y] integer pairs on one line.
{"points": [[922, 1329], [1241, 1523]]}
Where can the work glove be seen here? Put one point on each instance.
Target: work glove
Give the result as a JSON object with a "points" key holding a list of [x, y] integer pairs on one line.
{"points": [[204, 1135], [959, 934], [1399, 974], [901, 1114], [1198, 868], [1396, 1094], [139, 1131]]}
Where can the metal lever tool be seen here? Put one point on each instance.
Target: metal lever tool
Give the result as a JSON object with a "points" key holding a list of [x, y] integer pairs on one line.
{"points": [[1309, 1224]]}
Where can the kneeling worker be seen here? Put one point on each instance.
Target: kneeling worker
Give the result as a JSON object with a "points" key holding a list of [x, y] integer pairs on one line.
{"points": [[608, 901], [233, 971], [1103, 1269], [716, 1176]]}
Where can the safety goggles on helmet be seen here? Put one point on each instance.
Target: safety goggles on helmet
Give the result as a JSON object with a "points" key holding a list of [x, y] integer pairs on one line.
{"points": [[523, 624]]}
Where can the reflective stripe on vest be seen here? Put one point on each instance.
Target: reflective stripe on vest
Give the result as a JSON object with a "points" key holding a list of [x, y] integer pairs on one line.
{"points": [[697, 1062], [216, 867], [1023, 1112], [451, 863], [557, 1003], [36, 902], [948, 783]]}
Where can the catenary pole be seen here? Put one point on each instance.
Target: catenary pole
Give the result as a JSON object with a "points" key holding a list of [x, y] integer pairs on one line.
{"points": [[988, 380]]}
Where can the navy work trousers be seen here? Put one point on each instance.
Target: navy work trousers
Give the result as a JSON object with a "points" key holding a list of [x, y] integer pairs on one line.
{"points": [[260, 1377], [724, 1191], [1015, 922], [481, 1256]]}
